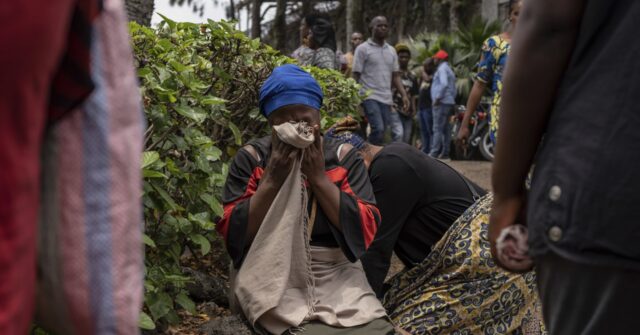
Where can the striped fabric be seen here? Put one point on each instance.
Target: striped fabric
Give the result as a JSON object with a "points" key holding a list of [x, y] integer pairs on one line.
{"points": [[73, 81], [90, 250]]}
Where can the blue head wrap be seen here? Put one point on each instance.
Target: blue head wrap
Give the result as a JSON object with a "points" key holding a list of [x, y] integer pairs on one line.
{"points": [[289, 85]]}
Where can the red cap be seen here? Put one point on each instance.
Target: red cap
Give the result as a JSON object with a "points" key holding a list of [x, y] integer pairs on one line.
{"points": [[441, 54]]}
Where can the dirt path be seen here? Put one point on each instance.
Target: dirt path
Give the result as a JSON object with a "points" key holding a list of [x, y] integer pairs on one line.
{"points": [[478, 171]]}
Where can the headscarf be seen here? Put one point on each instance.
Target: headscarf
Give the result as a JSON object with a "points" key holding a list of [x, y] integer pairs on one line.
{"points": [[343, 132], [402, 47], [289, 85]]}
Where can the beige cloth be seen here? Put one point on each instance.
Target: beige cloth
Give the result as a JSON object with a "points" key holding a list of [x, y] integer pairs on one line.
{"points": [[283, 281]]}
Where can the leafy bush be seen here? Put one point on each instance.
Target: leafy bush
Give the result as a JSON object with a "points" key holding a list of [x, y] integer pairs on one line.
{"points": [[200, 88]]}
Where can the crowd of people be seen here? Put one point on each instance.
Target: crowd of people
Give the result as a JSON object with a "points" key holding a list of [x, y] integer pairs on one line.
{"points": [[393, 94], [350, 201], [312, 216]]}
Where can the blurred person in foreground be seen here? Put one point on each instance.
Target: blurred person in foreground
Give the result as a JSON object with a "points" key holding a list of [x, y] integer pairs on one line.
{"points": [[582, 209], [493, 60], [71, 131], [410, 84], [436, 221]]}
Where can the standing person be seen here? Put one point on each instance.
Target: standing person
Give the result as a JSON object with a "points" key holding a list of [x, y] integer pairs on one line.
{"points": [[436, 222], [493, 60], [356, 39], [375, 67], [443, 94], [410, 84], [425, 109], [582, 209], [70, 143], [303, 53], [300, 270], [322, 42]]}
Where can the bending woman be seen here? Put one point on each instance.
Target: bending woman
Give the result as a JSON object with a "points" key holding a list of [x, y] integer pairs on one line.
{"points": [[431, 218]]}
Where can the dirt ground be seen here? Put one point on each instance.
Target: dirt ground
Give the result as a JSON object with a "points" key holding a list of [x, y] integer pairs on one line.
{"points": [[477, 171]]}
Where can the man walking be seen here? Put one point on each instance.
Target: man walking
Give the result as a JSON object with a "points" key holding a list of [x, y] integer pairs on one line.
{"points": [[443, 94], [573, 76], [375, 67]]}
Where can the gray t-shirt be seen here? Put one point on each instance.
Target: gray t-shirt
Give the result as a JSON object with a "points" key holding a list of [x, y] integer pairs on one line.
{"points": [[376, 65]]}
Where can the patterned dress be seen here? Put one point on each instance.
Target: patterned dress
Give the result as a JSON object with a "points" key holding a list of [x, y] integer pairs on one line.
{"points": [[458, 289], [494, 58]]}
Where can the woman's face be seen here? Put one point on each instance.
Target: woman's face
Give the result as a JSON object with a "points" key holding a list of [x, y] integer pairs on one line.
{"points": [[296, 113], [515, 12]]}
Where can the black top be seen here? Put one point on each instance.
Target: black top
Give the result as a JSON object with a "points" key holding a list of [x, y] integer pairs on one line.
{"points": [[424, 98], [419, 198], [359, 216], [585, 198]]}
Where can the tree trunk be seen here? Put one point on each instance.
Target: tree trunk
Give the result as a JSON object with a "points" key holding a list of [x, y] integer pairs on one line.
{"points": [[307, 7], [139, 11], [256, 29], [349, 24], [454, 19], [402, 10], [280, 25]]}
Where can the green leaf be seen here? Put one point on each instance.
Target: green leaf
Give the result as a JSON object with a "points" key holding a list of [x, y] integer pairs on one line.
{"points": [[149, 157], [213, 203], [209, 100], [212, 154], [202, 241], [148, 241], [186, 303], [159, 304], [171, 23], [166, 197], [177, 66], [145, 322], [144, 71], [236, 133], [190, 113], [146, 173]]}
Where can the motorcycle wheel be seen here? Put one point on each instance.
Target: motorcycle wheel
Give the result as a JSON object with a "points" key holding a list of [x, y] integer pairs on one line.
{"points": [[486, 146]]}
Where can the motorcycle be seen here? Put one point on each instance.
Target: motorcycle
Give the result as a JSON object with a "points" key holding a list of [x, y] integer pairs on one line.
{"points": [[479, 143]]}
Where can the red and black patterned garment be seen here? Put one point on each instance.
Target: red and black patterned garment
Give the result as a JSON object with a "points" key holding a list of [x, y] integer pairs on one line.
{"points": [[359, 215]]}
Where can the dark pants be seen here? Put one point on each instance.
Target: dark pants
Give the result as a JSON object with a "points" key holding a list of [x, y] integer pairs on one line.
{"points": [[380, 117], [441, 138], [586, 299], [425, 117], [407, 127]]}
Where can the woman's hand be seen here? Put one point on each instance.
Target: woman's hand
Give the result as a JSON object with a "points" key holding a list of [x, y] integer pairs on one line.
{"points": [[313, 159], [280, 161]]}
